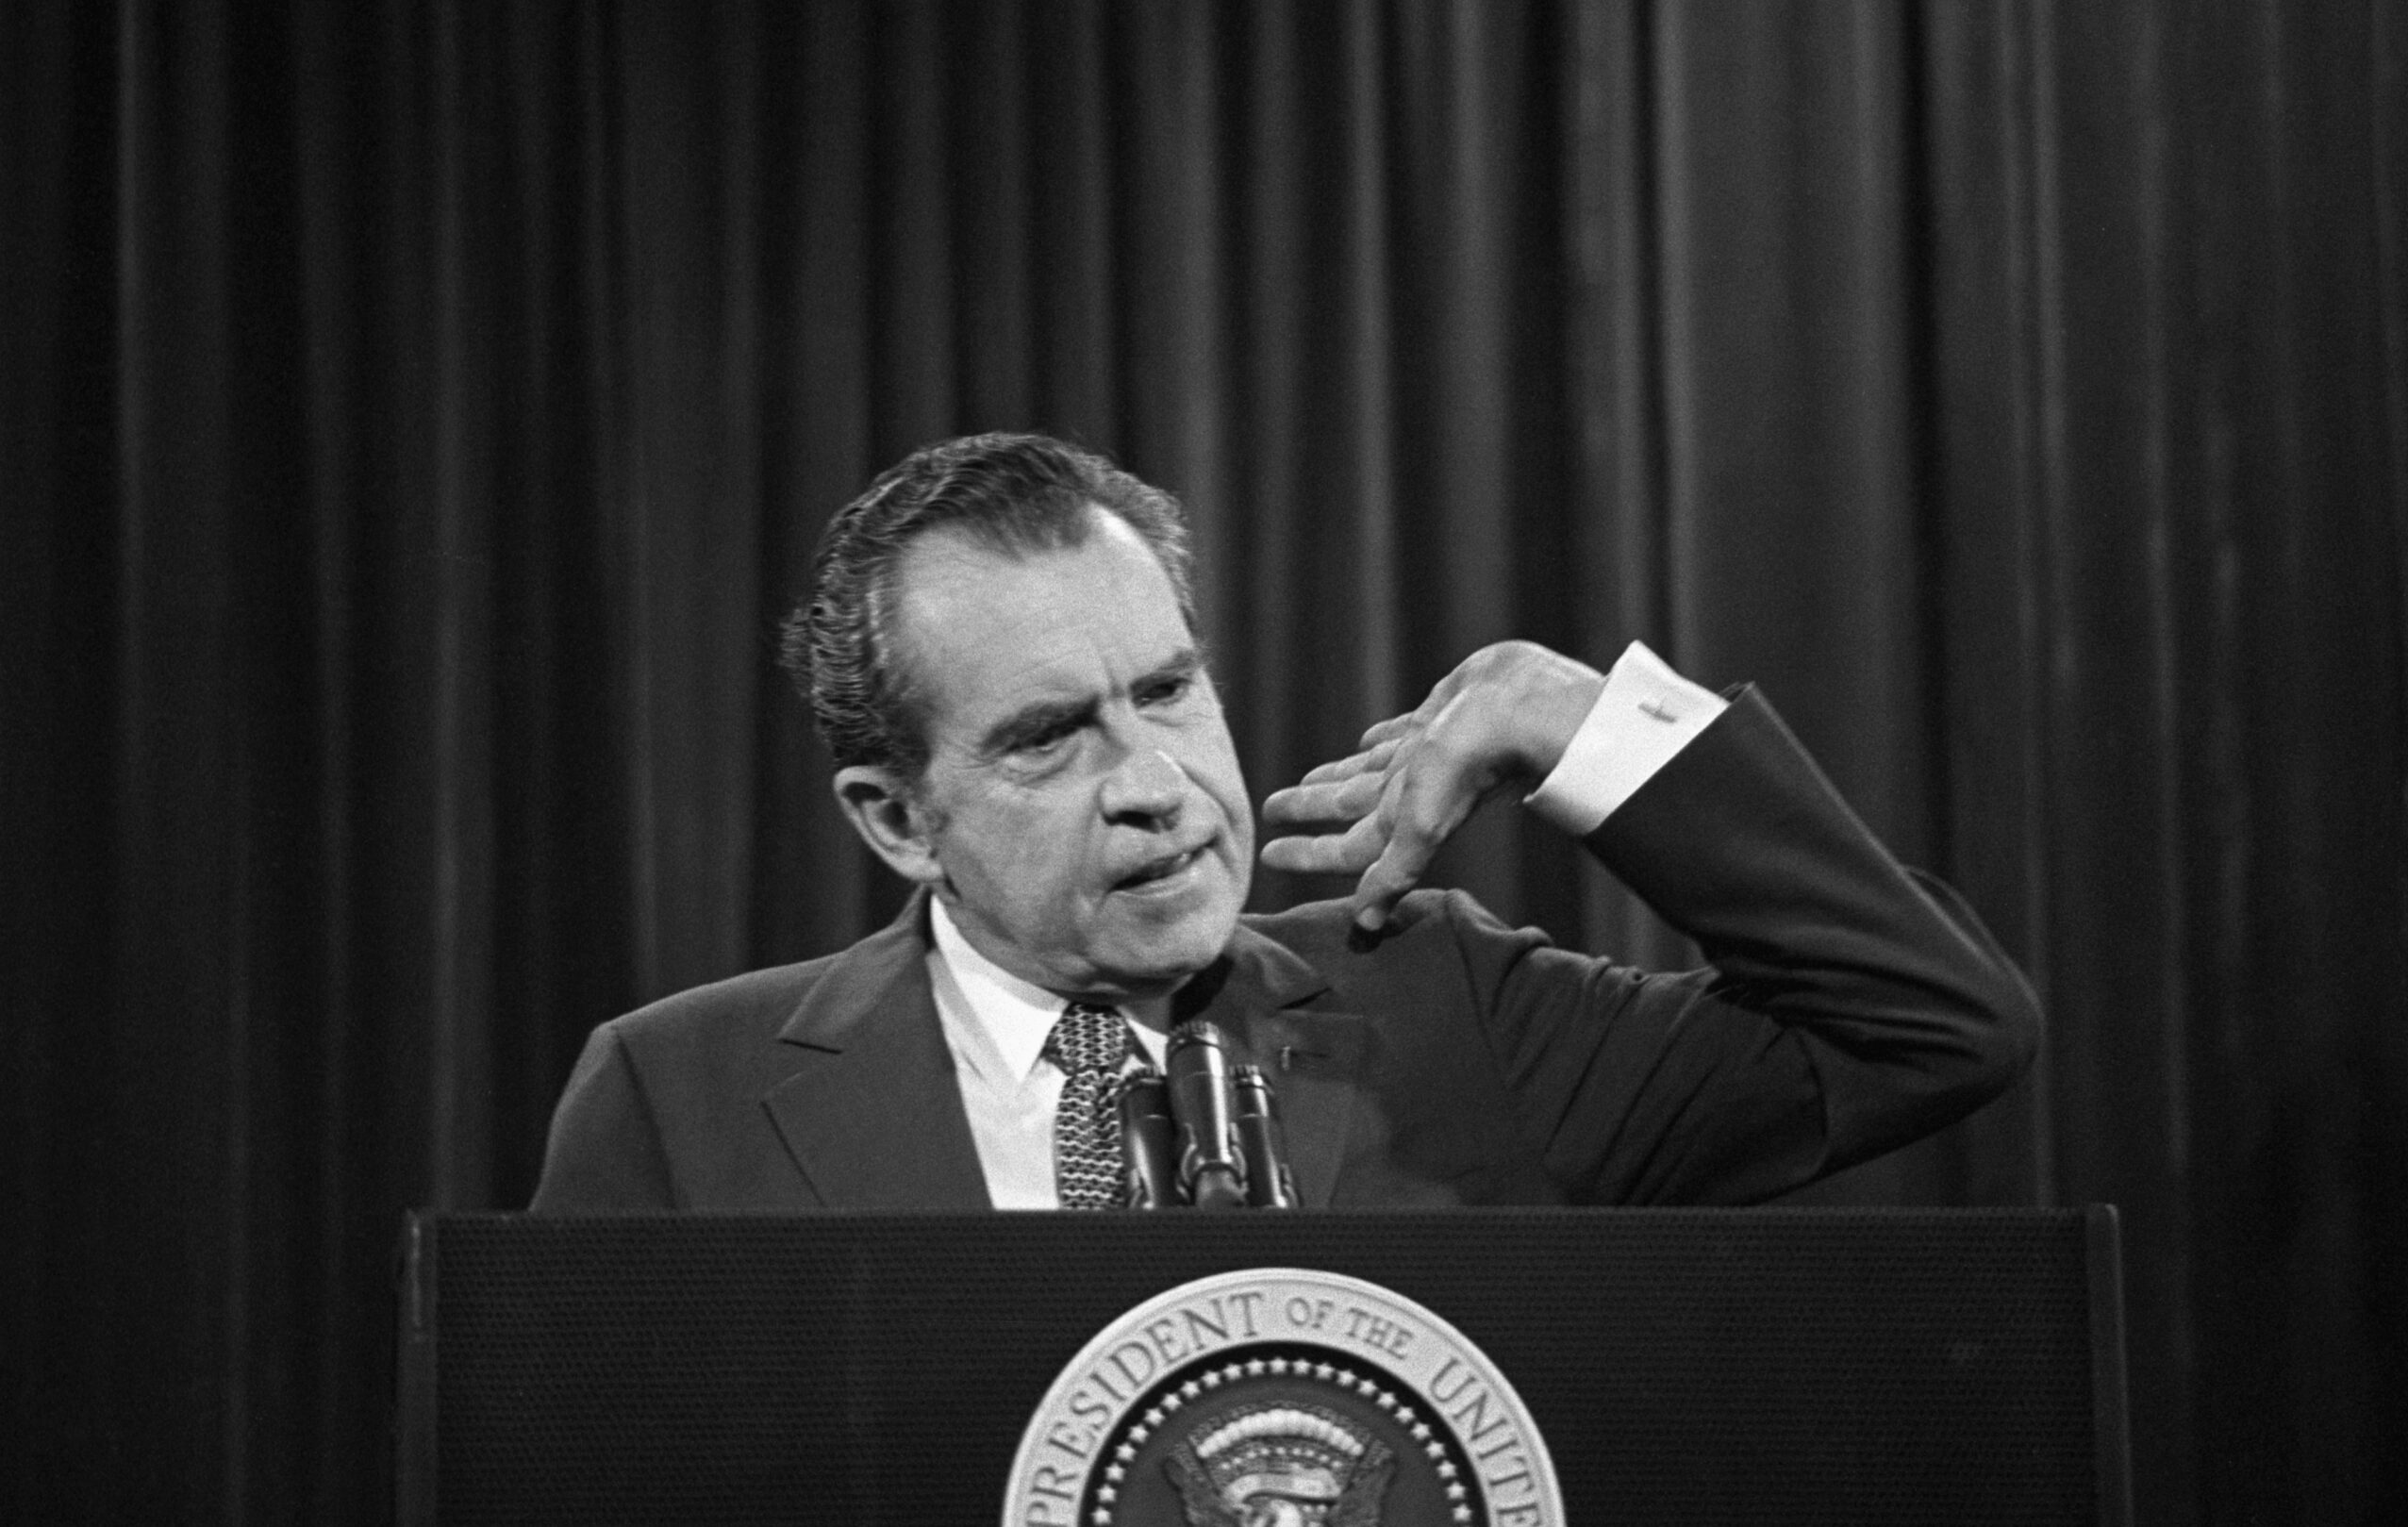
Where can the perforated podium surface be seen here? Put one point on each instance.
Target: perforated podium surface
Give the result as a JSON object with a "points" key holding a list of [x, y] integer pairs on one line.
{"points": [[1693, 1366]]}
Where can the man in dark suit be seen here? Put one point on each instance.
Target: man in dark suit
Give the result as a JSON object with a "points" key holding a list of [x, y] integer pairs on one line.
{"points": [[1000, 651]]}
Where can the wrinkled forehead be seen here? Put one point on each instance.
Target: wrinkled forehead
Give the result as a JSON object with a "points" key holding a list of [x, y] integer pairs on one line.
{"points": [[954, 571], [973, 621]]}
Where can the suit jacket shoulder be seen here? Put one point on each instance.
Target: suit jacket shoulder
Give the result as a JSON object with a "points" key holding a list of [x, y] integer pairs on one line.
{"points": [[800, 1086], [618, 1136]]}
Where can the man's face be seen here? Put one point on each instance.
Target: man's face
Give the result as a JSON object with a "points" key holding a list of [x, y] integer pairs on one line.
{"points": [[1082, 799]]}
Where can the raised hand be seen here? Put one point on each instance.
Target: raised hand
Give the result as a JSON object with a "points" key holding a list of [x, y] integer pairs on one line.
{"points": [[1501, 719]]}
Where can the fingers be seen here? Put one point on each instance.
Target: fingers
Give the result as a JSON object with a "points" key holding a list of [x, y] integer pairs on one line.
{"points": [[1376, 747], [1420, 813], [1332, 800], [1340, 790], [1328, 854], [1418, 720], [1412, 781], [1420, 717], [1397, 819], [1369, 759]]}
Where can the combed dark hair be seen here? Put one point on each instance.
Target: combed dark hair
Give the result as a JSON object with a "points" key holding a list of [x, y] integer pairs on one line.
{"points": [[1014, 494]]}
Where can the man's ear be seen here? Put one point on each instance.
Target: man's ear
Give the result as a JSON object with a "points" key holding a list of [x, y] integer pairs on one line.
{"points": [[889, 819]]}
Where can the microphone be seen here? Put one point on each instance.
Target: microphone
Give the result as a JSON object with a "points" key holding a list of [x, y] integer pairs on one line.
{"points": [[1149, 1139], [1269, 1183], [1212, 1170]]}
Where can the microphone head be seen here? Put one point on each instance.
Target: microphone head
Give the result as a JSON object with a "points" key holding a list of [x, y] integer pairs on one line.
{"points": [[1150, 1137], [1196, 1031], [1261, 1141], [1212, 1166]]}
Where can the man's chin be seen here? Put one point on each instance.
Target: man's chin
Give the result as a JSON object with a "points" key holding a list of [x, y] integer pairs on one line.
{"points": [[1159, 960]]}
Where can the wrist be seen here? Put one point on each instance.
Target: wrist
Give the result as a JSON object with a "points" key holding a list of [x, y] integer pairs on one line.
{"points": [[1644, 714], [1555, 700]]}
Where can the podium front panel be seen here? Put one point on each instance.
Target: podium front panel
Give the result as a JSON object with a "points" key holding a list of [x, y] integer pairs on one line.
{"points": [[1699, 1366]]}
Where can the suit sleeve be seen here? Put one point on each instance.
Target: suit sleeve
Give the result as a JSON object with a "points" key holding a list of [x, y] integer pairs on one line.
{"points": [[1851, 1006], [604, 1152]]}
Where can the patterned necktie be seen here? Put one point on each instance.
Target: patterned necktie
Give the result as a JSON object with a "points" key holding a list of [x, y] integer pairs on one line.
{"points": [[1091, 1045]]}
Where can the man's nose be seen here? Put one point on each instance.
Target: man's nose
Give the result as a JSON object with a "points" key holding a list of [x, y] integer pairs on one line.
{"points": [[1145, 790]]}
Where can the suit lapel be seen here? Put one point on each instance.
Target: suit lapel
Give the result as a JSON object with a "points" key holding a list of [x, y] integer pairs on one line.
{"points": [[871, 1114], [1312, 1057]]}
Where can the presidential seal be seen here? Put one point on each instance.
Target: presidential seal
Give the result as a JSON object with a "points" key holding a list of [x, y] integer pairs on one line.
{"points": [[1281, 1398]]}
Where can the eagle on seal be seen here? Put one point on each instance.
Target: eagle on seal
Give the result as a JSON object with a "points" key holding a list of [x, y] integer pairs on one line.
{"points": [[1280, 1466]]}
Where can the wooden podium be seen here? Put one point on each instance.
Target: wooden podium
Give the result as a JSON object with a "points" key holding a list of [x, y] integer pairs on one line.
{"points": [[1692, 1366]]}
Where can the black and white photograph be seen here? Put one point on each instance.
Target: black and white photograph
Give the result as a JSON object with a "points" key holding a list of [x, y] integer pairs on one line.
{"points": [[1204, 763]]}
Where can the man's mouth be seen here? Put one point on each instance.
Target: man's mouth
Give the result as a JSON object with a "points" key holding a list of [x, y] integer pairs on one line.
{"points": [[1154, 872]]}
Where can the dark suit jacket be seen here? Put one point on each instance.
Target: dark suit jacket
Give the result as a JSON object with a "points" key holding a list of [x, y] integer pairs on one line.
{"points": [[1851, 1006]]}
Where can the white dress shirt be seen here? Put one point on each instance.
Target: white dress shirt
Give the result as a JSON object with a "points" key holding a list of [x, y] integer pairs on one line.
{"points": [[996, 1023], [1646, 714], [996, 1026]]}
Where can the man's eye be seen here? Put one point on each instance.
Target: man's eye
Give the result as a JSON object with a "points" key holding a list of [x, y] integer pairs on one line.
{"points": [[1164, 691], [1045, 739]]}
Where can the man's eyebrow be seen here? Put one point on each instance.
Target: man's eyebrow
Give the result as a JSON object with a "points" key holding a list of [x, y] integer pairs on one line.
{"points": [[1037, 720], [1184, 664], [1032, 721]]}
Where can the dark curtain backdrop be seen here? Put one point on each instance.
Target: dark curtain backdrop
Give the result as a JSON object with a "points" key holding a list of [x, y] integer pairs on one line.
{"points": [[418, 414]]}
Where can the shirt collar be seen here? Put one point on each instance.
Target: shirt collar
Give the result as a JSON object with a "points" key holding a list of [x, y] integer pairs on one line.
{"points": [[1009, 1017], [1007, 1020]]}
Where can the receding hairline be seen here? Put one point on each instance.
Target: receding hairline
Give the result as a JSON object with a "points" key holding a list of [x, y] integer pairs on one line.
{"points": [[1020, 543], [966, 542]]}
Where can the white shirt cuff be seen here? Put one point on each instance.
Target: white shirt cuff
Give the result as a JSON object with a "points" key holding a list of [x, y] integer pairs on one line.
{"points": [[1647, 714]]}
